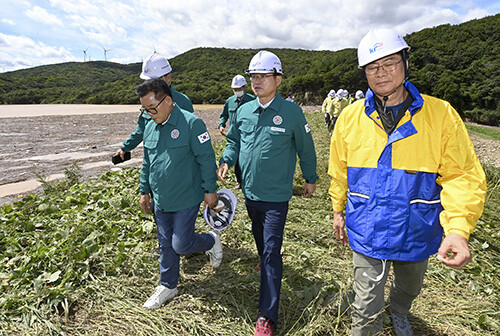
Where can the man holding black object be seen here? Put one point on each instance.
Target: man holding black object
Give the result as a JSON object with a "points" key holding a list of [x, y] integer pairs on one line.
{"points": [[117, 158], [179, 170], [155, 66]]}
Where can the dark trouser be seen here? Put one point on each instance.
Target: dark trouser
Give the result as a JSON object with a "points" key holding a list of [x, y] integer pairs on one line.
{"points": [[328, 119], [268, 223], [237, 171], [331, 126]]}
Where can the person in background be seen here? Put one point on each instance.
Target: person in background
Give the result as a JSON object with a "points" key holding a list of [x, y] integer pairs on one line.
{"points": [[359, 95], [155, 66], [291, 97], [266, 137], [327, 108], [229, 111], [338, 105], [178, 169], [350, 99], [405, 166]]}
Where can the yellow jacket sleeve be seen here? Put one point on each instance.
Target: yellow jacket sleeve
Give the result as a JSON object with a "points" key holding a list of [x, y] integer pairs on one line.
{"points": [[462, 178], [325, 104], [337, 167]]}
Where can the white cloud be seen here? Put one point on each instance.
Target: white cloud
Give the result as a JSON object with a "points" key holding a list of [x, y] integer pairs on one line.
{"points": [[21, 51], [132, 28], [99, 29], [9, 22], [75, 6], [41, 15]]}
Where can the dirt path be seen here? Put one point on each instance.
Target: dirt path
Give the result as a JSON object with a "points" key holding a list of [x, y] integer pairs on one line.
{"points": [[488, 151], [47, 145]]}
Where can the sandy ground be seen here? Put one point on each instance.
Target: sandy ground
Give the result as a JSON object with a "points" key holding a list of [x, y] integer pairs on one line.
{"points": [[45, 140]]}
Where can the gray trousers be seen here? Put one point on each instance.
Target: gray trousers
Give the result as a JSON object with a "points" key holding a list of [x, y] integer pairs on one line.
{"points": [[370, 276]]}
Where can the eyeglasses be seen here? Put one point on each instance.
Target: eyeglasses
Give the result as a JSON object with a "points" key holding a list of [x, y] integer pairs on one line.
{"points": [[260, 77], [150, 110], [387, 67]]}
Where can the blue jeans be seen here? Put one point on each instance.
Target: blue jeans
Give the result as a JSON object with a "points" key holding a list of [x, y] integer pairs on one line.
{"points": [[268, 224], [177, 237]]}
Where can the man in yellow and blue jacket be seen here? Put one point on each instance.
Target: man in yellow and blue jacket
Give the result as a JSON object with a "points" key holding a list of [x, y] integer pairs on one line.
{"points": [[404, 168]]}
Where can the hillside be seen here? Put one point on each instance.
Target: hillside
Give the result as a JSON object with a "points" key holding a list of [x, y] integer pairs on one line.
{"points": [[459, 63]]}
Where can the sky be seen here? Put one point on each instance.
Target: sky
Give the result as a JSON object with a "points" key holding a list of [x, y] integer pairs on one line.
{"points": [[34, 33]]}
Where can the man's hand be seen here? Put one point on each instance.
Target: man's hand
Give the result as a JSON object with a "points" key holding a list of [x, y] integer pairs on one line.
{"points": [[145, 203], [221, 130], [457, 245], [309, 189], [222, 171], [121, 153], [339, 226], [211, 200]]}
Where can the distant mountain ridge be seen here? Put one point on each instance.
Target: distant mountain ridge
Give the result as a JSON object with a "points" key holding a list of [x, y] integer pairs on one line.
{"points": [[459, 63]]}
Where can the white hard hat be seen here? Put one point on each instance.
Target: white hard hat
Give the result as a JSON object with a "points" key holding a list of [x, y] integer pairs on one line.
{"points": [[359, 94], [379, 43], [331, 93], [238, 81], [222, 214], [345, 93], [155, 66], [265, 62], [339, 93]]}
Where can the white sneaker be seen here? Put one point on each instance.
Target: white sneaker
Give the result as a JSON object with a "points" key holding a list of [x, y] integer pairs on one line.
{"points": [[215, 253], [160, 296]]}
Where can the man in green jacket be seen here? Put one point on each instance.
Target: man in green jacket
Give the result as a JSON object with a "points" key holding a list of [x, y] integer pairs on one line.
{"points": [[239, 98], [178, 168], [155, 66], [266, 137]]}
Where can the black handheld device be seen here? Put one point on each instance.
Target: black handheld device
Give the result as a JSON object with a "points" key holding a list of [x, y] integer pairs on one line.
{"points": [[118, 159]]}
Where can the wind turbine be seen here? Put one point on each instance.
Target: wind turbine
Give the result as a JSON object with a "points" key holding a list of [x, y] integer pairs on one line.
{"points": [[85, 54], [105, 51]]}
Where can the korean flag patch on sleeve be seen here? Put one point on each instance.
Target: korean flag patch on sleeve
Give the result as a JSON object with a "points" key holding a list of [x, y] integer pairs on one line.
{"points": [[204, 137], [308, 129]]}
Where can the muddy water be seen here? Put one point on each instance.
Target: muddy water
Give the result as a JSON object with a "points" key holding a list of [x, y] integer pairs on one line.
{"points": [[14, 111], [30, 185], [45, 140]]}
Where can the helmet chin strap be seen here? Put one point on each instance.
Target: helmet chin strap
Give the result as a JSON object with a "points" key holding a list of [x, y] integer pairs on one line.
{"points": [[386, 98]]}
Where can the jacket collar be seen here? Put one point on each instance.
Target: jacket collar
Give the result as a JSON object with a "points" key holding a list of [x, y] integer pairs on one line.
{"points": [[275, 104], [417, 104], [174, 116]]}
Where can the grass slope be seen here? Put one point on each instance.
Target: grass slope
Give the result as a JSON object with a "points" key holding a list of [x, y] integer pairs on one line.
{"points": [[78, 261]]}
